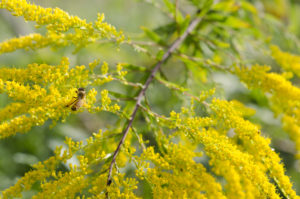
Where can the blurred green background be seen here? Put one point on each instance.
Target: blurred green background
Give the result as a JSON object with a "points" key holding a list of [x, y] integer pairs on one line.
{"points": [[19, 152]]}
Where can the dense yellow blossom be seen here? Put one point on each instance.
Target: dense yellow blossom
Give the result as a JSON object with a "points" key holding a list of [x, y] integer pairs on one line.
{"points": [[218, 147], [31, 41], [287, 61], [41, 172], [57, 22], [46, 99], [234, 187], [66, 184], [284, 98], [41, 74], [175, 174], [284, 94], [57, 19], [247, 156], [221, 149], [12, 110], [173, 171], [254, 143]]}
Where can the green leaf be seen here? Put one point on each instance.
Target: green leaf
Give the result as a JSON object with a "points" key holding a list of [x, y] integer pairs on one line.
{"points": [[206, 7], [135, 67], [197, 3], [172, 85], [152, 35], [167, 29], [215, 17], [171, 7], [226, 6], [221, 43], [249, 7], [196, 68], [235, 22], [120, 95], [185, 23], [160, 55]]}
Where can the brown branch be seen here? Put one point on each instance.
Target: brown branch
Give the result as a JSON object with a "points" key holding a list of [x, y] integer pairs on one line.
{"points": [[141, 94]]}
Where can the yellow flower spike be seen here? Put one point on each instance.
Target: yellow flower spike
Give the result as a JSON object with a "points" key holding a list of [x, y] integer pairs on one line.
{"points": [[13, 110], [287, 61], [57, 22], [32, 41], [253, 156], [39, 73], [119, 70], [42, 170], [253, 143], [284, 97], [245, 111], [105, 100], [219, 148], [93, 64], [234, 187], [42, 101], [184, 170], [206, 94], [104, 68], [91, 99], [57, 19]]}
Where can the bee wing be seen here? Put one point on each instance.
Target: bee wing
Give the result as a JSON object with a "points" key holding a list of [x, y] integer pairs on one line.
{"points": [[73, 101]]}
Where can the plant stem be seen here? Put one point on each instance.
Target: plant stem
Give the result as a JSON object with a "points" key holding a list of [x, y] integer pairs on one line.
{"points": [[141, 94]]}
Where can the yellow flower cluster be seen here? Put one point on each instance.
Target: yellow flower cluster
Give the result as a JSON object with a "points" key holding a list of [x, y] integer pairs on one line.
{"points": [[253, 143], [244, 160], [78, 179], [120, 182], [234, 186], [220, 149], [46, 99], [40, 74], [287, 61], [57, 22], [176, 175], [31, 41], [174, 170], [40, 173], [66, 185], [41, 92], [105, 103], [56, 19], [284, 98]]}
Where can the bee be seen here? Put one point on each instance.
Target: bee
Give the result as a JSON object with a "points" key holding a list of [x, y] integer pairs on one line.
{"points": [[78, 101]]}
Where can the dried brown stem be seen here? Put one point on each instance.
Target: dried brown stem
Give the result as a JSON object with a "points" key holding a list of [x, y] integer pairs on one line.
{"points": [[141, 94]]}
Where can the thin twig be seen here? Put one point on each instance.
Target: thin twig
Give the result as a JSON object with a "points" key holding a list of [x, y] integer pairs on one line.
{"points": [[147, 110], [136, 85], [208, 62], [141, 94], [177, 89], [139, 139]]}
